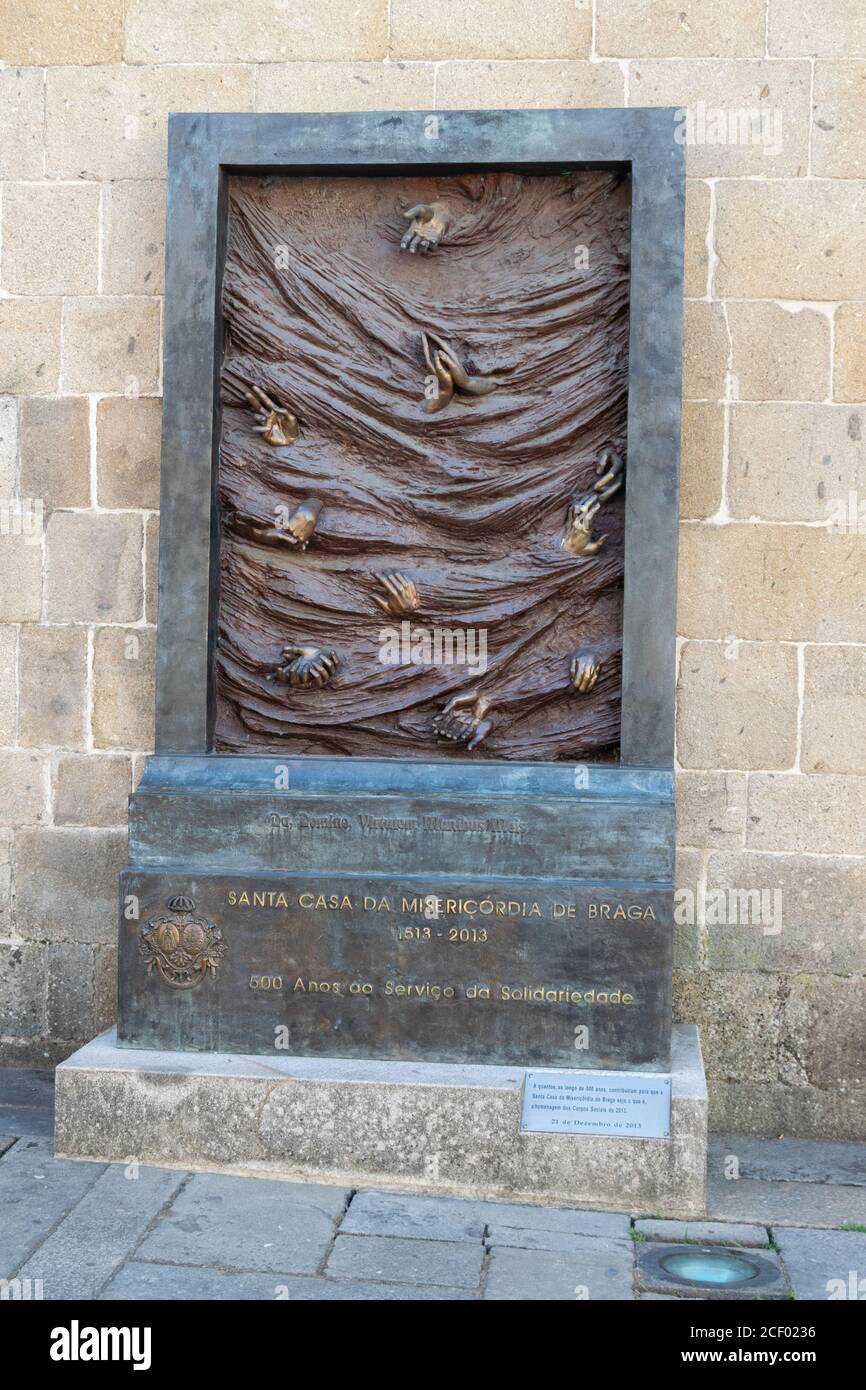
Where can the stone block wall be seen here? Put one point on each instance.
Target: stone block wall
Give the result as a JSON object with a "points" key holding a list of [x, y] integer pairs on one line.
{"points": [[772, 616]]}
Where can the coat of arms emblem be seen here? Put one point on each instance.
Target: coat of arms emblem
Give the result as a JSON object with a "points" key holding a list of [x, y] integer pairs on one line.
{"points": [[181, 947]]}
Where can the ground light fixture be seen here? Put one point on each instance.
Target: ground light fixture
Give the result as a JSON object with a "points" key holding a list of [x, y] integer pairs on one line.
{"points": [[700, 1266], [714, 1270]]}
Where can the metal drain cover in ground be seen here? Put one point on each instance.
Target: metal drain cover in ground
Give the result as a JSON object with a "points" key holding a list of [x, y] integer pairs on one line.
{"points": [[709, 1271]]}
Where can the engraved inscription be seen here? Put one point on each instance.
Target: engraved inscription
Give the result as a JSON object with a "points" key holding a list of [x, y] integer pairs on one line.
{"points": [[496, 827], [623, 1103], [518, 971]]}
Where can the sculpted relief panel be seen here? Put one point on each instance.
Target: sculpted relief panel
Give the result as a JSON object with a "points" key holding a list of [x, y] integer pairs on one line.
{"points": [[423, 466]]}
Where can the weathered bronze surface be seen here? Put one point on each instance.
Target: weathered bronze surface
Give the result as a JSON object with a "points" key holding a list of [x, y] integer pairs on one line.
{"points": [[267, 851], [530, 338], [416, 967]]}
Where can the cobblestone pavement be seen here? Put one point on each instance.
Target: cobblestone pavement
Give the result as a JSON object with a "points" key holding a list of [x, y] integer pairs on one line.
{"points": [[796, 1211]]}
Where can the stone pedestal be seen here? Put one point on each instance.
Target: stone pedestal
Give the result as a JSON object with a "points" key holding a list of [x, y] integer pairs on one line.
{"points": [[415, 1126]]}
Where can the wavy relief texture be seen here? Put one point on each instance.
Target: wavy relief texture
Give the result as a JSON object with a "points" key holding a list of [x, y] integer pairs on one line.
{"points": [[324, 312]]}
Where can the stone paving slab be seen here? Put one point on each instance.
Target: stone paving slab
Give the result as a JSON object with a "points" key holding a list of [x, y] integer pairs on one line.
{"points": [[607, 1225], [101, 1231], [36, 1192], [599, 1271], [789, 1160], [824, 1264], [785, 1203], [546, 1240], [27, 1121], [449, 1263], [26, 1086], [454, 1218], [154, 1282], [247, 1224], [418, 1218], [705, 1232], [26, 1103]]}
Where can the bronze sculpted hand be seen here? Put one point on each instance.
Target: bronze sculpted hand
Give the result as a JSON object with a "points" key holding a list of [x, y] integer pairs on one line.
{"points": [[427, 228], [439, 384], [305, 666], [609, 470], [578, 526], [464, 719], [447, 374], [294, 533], [402, 594], [278, 425], [584, 672], [302, 523]]}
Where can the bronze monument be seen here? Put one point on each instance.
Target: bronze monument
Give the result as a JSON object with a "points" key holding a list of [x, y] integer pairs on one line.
{"points": [[412, 797]]}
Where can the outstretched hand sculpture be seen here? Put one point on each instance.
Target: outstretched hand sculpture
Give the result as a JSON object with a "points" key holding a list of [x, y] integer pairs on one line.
{"points": [[429, 223], [302, 523], [277, 425], [294, 534], [578, 526], [583, 510]]}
